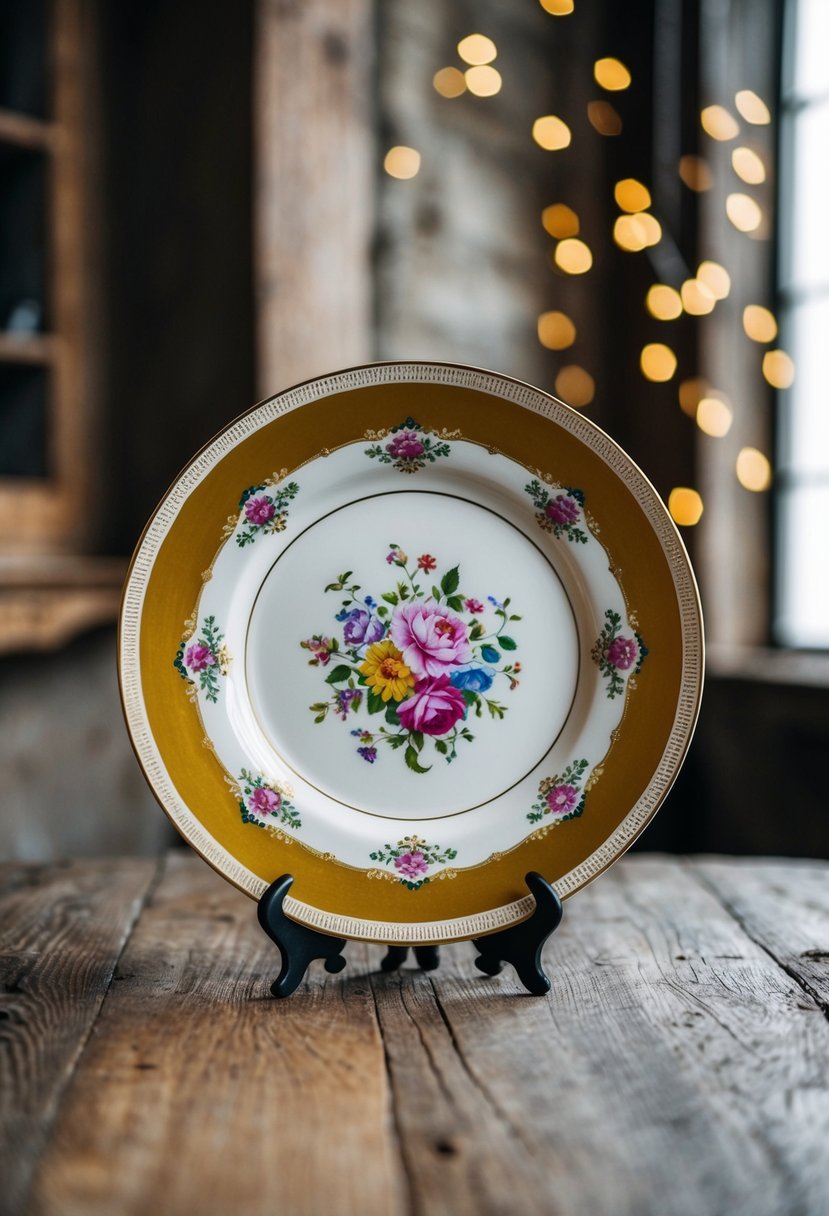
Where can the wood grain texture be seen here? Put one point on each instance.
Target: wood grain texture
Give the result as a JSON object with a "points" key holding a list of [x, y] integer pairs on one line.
{"points": [[62, 928], [680, 1066], [200, 1093]]}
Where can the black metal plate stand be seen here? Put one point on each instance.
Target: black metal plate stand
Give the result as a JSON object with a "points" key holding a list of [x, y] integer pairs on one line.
{"points": [[520, 945]]}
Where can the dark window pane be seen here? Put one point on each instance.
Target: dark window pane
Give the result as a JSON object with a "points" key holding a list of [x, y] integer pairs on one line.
{"points": [[23, 57], [22, 240], [23, 416]]}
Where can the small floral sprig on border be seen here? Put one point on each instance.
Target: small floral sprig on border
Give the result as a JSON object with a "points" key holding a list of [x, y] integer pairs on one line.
{"points": [[203, 659], [615, 652], [559, 510], [411, 859], [265, 804], [262, 509], [410, 448], [561, 796]]}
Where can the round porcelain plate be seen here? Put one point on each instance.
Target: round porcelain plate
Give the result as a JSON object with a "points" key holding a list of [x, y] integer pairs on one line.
{"points": [[406, 633]]}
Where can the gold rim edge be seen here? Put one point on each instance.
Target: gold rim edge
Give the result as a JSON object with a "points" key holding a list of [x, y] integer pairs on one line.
{"points": [[460, 376]]}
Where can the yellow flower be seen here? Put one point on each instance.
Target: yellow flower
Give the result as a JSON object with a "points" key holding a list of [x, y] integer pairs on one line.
{"points": [[386, 672]]}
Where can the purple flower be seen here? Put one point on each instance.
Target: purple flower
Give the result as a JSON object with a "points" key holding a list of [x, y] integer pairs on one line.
{"points": [[199, 656], [562, 509], [262, 803], [562, 799], [360, 628], [411, 865], [622, 653], [259, 510], [347, 699], [368, 753], [430, 638], [474, 606], [405, 446], [433, 708]]}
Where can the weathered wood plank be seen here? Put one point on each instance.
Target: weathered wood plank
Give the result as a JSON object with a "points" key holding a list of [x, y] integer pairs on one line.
{"points": [[784, 907], [661, 1076], [62, 928], [199, 1093]]}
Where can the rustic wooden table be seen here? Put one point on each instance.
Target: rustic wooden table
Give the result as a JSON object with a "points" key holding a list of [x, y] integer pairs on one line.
{"points": [[680, 1064]]}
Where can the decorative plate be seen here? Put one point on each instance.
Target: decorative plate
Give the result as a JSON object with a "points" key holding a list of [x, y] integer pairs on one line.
{"points": [[407, 632]]}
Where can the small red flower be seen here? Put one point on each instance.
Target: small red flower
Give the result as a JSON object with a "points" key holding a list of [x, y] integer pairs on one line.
{"points": [[426, 563]]}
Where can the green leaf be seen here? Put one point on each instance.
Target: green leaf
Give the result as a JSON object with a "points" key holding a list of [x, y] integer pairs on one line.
{"points": [[449, 582], [507, 643], [391, 714], [435, 595], [412, 762], [441, 747], [375, 703], [389, 597], [477, 631], [455, 603], [417, 739], [470, 697], [340, 673], [396, 741]]}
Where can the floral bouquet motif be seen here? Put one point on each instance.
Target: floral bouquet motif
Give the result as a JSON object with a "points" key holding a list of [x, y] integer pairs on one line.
{"points": [[411, 859], [421, 661], [263, 508], [559, 510], [202, 657], [263, 803], [562, 796], [410, 448], [614, 653]]}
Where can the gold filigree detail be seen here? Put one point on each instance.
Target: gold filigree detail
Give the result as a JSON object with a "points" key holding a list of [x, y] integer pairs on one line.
{"points": [[225, 659], [593, 778], [189, 628], [208, 744], [206, 576], [230, 527], [381, 434]]}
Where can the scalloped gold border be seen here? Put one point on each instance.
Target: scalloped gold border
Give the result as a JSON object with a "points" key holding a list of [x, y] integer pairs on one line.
{"points": [[674, 677]]}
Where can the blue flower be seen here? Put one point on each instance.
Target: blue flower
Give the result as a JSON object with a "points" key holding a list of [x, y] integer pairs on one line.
{"points": [[473, 677], [494, 602], [369, 601], [368, 753]]}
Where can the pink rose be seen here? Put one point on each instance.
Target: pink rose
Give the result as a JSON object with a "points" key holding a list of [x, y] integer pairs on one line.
{"points": [[622, 653], [433, 708], [411, 865], [430, 638], [263, 802], [562, 799], [405, 445], [259, 510], [199, 656], [562, 509]]}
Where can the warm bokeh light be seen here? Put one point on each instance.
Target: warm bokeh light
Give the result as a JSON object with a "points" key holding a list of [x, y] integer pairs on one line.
{"points": [[629, 234], [697, 299], [575, 386], [550, 133], [663, 302], [753, 470], [716, 278], [744, 212], [778, 368], [560, 220], [752, 108], [573, 256], [650, 227], [747, 164], [718, 123], [759, 324], [685, 506], [483, 81], [604, 118], [402, 162], [714, 417], [695, 173], [691, 392], [558, 8], [611, 74], [556, 331], [449, 82], [477, 48], [657, 361], [631, 195]]}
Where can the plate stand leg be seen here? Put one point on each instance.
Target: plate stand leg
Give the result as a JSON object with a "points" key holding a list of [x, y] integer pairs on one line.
{"points": [[522, 944], [297, 944], [428, 957]]}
